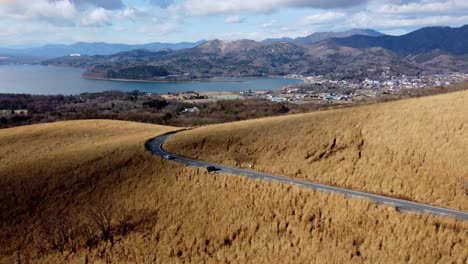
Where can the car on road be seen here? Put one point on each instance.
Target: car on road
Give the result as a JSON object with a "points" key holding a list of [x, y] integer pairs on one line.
{"points": [[212, 169], [168, 157]]}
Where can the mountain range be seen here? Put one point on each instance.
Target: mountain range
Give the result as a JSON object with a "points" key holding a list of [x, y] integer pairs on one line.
{"points": [[319, 36], [93, 48], [424, 51], [101, 48], [451, 40]]}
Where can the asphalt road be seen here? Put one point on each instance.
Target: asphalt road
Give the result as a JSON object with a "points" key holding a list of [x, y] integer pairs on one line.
{"points": [[156, 147]]}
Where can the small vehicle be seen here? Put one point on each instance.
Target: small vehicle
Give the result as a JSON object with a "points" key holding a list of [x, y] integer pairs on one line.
{"points": [[168, 157], [212, 169]]}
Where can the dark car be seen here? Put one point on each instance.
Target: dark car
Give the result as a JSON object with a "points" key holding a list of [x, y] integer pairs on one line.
{"points": [[212, 169]]}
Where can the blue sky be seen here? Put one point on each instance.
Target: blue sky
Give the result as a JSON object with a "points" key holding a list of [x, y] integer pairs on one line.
{"points": [[31, 23]]}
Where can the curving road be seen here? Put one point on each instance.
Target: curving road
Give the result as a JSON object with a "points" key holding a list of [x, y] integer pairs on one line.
{"points": [[155, 146]]}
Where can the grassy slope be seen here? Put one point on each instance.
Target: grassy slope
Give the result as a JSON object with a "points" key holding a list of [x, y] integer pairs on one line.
{"points": [[64, 167], [183, 214], [415, 149]]}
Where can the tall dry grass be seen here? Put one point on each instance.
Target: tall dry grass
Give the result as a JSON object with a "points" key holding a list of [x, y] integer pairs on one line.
{"points": [[415, 149], [47, 170], [183, 214]]}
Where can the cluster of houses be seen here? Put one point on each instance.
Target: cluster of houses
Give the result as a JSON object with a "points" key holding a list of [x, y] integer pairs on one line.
{"points": [[321, 89], [346, 90], [296, 96], [386, 82]]}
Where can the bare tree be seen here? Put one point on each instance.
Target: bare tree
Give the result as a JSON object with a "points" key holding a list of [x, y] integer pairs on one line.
{"points": [[60, 234], [53, 236], [72, 235], [101, 217]]}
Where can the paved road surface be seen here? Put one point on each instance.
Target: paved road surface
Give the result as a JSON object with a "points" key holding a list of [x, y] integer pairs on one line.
{"points": [[155, 146]]}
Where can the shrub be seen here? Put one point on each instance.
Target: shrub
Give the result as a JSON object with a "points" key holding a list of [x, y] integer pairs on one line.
{"points": [[60, 234], [101, 217]]}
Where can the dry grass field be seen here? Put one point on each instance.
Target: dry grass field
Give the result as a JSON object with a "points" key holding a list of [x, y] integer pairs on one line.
{"points": [[415, 149], [57, 179]]}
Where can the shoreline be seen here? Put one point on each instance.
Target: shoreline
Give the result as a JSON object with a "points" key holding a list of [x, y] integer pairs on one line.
{"points": [[207, 80], [154, 81]]}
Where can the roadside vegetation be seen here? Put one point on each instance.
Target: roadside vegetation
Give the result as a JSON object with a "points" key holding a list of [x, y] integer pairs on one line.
{"points": [[413, 149], [88, 192]]}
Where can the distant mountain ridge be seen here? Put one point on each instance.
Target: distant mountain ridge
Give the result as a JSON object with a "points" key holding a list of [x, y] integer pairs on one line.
{"points": [[102, 48], [451, 40], [94, 48], [424, 51], [319, 36]]}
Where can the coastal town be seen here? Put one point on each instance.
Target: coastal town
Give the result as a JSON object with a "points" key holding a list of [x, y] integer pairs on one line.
{"points": [[322, 90]]}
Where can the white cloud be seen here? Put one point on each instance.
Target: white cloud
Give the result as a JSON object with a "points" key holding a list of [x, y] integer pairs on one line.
{"points": [[323, 18], [131, 13], [421, 8], [208, 7], [97, 17], [399, 16], [391, 17], [61, 13], [234, 20]]}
